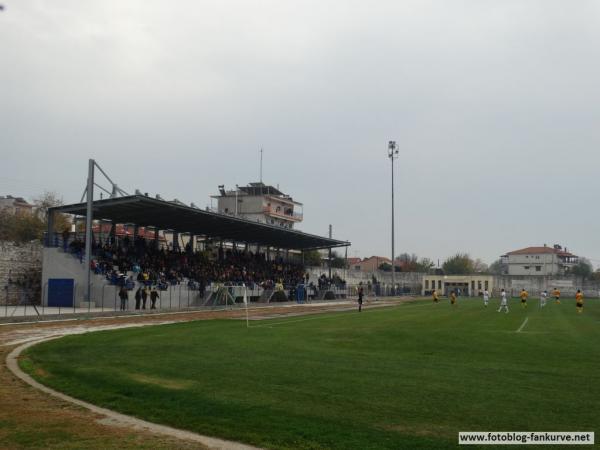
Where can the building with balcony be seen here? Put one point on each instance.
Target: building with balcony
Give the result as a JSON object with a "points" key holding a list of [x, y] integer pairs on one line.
{"points": [[540, 261], [259, 202]]}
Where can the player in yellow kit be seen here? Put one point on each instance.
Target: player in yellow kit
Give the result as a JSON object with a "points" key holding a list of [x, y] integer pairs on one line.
{"points": [[453, 298], [579, 301], [524, 295], [435, 297], [556, 294]]}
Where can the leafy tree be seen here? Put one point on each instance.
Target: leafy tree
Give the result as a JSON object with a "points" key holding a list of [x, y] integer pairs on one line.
{"points": [[583, 268], [459, 264], [338, 261], [49, 200], [479, 266], [312, 258], [7, 226], [385, 267], [411, 263], [20, 227], [498, 268], [424, 265]]}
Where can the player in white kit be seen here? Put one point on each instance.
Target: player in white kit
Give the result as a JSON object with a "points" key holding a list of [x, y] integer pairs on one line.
{"points": [[486, 298], [503, 302], [543, 298]]}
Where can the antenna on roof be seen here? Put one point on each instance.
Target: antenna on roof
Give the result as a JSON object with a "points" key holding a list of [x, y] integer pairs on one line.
{"points": [[261, 159]]}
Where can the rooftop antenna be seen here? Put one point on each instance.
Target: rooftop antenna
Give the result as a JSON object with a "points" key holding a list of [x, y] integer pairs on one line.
{"points": [[261, 160]]}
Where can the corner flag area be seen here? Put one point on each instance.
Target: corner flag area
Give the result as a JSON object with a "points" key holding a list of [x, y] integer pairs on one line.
{"points": [[406, 376]]}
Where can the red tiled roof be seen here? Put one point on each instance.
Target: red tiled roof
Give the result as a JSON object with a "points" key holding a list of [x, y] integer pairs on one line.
{"points": [[539, 251], [380, 259]]}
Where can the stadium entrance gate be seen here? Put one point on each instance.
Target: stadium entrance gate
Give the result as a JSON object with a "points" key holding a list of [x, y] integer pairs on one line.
{"points": [[449, 287]]}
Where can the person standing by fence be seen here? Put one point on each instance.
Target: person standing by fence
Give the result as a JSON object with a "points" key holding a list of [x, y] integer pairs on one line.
{"points": [[124, 296], [144, 296], [153, 296], [138, 297], [360, 296]]}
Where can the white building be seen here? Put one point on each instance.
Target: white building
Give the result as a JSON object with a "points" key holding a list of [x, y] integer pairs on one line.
{"points": [[541, 261], [467, 285], [260, 203]]}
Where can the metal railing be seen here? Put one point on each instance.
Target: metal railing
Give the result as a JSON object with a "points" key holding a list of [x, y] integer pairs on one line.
{"points": [[269, 210]]}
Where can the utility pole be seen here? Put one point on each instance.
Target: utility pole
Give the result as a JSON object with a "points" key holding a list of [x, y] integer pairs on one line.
{"points": [[329, 259], [236, 199], [393, 154]]}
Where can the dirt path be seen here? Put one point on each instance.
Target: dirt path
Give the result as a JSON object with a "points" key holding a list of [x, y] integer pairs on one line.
{"points": [[30, 418]]}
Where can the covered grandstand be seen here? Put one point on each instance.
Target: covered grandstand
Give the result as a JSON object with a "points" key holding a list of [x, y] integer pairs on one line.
{"points": [[204, 230], [144, 211]]}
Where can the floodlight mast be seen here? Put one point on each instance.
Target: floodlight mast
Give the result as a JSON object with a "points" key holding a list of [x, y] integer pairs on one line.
{"points": [[393, 154]]}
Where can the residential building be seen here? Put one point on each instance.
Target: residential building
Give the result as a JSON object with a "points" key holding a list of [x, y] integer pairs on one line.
{"points": [[371, 264], [15, 205], [542, 261], [353, 263], [260, 203]]}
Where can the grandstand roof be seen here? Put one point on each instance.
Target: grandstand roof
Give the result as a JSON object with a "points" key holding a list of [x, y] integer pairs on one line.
{"points": [[147, 211]]}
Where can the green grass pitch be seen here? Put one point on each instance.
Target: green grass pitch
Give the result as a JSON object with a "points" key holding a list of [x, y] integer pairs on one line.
{"points": [[408, 376]]}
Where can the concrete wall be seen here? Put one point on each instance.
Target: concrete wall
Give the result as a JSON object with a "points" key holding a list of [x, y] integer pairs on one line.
{"points": [[57, 264], [16, 260], [567, 284]]}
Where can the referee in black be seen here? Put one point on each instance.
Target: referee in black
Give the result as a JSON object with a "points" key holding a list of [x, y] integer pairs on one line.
{"points": [[360, 296]]}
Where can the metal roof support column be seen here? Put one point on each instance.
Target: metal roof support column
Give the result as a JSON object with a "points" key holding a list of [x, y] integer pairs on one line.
{"points": [[88, 229], [155, 241], [329, 259], [175, 240], [50, 229], [346, 264], [113, 232]]}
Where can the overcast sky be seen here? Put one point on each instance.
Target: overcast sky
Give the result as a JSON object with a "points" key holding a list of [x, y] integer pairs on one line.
{"points": [[495, 106]]}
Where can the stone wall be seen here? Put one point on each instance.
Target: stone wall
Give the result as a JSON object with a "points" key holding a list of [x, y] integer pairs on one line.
{"points": [[20, 272]]}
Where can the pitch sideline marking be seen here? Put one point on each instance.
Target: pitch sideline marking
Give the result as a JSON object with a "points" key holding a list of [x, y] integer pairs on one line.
{"points": [[523, 325]]}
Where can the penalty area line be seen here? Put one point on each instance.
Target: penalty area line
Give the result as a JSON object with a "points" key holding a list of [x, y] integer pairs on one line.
{"points": [[523, 325]]}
